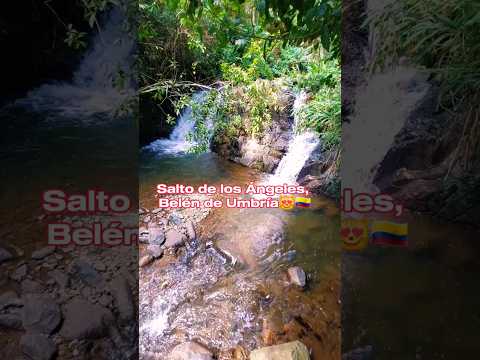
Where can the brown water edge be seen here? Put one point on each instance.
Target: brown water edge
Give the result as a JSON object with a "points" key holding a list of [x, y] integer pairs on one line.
{"points": [[282, 312]]}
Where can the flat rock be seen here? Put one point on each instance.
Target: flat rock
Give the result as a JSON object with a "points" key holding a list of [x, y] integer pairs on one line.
{"points": [[5, 255], [174, 239], [37, 347], [84, 320], [190, 351], [123, 299], [43, 252], [156, 251], [289, 351], [297, 276], [41, 314]]}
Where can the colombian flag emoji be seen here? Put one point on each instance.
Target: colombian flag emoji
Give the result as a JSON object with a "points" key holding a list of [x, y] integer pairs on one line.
{"points": [[389, 233], [303, 202]]}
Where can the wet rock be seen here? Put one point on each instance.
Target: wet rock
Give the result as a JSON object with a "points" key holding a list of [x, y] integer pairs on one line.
{"points": [[43, 252], [9, 299], [41, 314], [122, 296], [11, 321], [5, 255], [145, 260], [37, 347], [19, 273], [175, 219], [156, 251], [156, 236], [84, 320], [297, 276], [190, 230], [190, 351], [364, 353], [174, 239], [86, 273], [143, 235], [289, 351], [60, 278]]}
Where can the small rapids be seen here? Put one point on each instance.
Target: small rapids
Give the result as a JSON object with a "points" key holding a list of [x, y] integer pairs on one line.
{"points": [[101, 84], [198, 300]]}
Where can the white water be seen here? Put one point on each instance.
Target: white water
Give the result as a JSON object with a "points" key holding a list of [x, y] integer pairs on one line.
{"points": [[102, 82], [300, 148], [179, 142], [367, 139]]}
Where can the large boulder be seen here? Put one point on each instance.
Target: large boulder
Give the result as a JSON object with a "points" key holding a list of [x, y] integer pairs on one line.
{"points": [[289, 351]]}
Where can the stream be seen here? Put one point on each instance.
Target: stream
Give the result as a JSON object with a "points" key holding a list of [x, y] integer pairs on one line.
{"points": [[201, 296]]}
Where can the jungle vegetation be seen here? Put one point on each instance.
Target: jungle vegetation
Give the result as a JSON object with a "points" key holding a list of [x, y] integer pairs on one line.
{"points": [[242, 52]]}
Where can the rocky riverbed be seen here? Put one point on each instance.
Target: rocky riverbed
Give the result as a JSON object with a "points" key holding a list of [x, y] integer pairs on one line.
{"points": [[68, 302], [220, 284]]}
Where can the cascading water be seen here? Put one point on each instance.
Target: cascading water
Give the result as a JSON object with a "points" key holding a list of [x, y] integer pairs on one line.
{"points": [[396, 95], [179, 142], [300, 148], [102, 82]]}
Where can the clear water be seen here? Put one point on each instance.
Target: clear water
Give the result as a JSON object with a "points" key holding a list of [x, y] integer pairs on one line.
{"points": [[206, 299]]}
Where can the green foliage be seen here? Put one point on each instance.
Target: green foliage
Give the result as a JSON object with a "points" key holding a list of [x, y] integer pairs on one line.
{"points": [[91, 10], [303, 21], [254, 49], [323, 114], [75, 39], [444, 37]]}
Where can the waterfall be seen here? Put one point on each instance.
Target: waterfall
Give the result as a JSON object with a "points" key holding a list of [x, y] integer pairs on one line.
{"points": [[101, 83], [300, 148], [179, 142], [396, 93]]}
